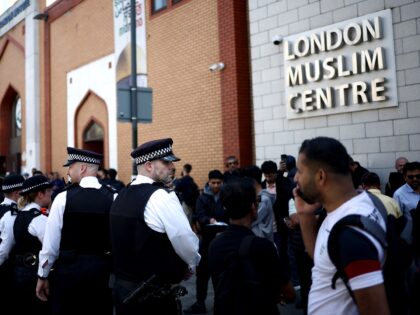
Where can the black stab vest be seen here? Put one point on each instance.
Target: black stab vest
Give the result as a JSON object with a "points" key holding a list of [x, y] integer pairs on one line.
{"points": [[86, 220], [140, 252], [4, 208], [24, 241]]}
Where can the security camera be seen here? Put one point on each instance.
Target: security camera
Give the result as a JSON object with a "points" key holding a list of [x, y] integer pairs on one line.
{"points": [[217, 66], [277, 39]]}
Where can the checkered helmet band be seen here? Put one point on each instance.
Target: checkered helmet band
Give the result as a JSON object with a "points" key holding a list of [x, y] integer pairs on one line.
{"points": [[82, 158], [11, 187], [34, 186], [153, 155]]}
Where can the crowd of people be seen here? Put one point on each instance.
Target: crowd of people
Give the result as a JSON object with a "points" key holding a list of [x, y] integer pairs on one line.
{"points": [[96, 245]]}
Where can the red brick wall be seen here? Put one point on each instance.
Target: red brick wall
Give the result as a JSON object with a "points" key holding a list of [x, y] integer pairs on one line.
{"points": [[182, 44], [80, 36], [236, 87], [206, 113]]}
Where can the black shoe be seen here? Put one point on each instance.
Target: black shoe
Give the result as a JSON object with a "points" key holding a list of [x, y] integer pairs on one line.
{"points": [[196, 308]]}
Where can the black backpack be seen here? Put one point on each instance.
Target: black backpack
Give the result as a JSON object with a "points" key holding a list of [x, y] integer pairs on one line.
{"points": [[239, 289], [396, 241]]}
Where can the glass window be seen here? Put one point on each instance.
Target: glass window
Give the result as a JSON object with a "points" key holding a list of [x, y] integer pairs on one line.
{"points": [[5, 4], [159, 5], [94, 133], [17, 118]]}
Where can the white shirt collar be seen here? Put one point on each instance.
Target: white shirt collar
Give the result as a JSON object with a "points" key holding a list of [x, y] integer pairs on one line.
{"points": [[31, 206], [141, 179], [90, 182], [7, 201]]}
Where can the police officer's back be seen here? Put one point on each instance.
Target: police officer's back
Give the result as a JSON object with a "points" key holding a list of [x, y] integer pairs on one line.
{"points": [[77, 242], [28, 231]]}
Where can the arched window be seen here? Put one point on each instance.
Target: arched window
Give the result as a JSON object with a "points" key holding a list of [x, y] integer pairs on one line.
{"points": [[17, 118], [93, 133]]}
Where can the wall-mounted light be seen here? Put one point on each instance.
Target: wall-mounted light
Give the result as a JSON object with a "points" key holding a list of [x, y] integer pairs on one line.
{"points": [[41, 16], [277, 39], [217, 66]]}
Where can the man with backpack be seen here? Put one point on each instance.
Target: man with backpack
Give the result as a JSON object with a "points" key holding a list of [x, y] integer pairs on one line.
{"points": [[323, 179], [245, 268]]}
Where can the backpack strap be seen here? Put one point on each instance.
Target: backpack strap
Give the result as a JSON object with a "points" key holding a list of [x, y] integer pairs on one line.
{"points": [[353, 220], [378, 205], [14, 209], [405, 226]]}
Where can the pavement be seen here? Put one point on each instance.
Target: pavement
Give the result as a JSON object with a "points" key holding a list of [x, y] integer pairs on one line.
{"points": [[189, 299]]}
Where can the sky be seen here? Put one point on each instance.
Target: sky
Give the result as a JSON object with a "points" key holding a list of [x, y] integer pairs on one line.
{"points": [[5, 4]]}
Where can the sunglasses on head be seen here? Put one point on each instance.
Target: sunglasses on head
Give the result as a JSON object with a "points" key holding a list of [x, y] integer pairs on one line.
{"points": [[413, 176]]}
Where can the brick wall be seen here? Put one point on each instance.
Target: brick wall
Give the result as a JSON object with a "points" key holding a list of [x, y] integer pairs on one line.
{"points": [[235, 84], [182, 44], [375, 137], [12, 79], [81, 35]]}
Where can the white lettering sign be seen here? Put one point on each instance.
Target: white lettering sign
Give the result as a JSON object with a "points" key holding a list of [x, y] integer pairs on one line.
{"points": [[349, 66]]}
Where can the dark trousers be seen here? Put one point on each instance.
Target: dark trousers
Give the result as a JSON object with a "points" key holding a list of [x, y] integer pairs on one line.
{"points": [[304, 264], [80, 285], [153, 306], [7, 294], [24, 288], [280, 240], [203, 272], [415, 294]]}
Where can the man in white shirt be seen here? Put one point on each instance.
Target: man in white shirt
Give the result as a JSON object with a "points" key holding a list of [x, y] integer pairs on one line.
{"points": [[323, 178], [77, 242], [408, 195], [150, 233]]}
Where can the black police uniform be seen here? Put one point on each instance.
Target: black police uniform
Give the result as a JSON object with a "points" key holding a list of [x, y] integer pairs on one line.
{"points": [[79, 282], [26, 249], [79, 279], [7, 269], [140, 252], [11, 183], [25, 254]]}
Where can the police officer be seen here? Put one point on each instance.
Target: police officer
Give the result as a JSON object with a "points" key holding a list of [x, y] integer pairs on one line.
{"points": [[11, 188], [150, 234], [28, 230], [77, 242]]}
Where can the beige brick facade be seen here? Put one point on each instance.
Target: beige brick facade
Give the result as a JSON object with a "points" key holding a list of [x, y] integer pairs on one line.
{"points": [[80, 36], [189, 102]]}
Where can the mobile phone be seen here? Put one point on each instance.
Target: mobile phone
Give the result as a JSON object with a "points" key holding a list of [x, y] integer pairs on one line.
{"points": [[283, 157]]}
